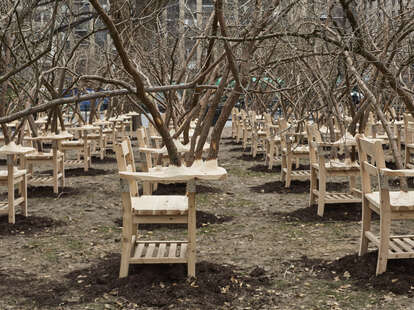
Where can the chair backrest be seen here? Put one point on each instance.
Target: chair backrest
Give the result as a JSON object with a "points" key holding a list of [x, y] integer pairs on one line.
{"points": [[408, 128], [142, 137], [371, 159], [125, 160], [314, 137]]}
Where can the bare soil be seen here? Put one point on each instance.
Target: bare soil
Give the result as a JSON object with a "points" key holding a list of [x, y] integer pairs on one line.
{"points": [[259, 246]]}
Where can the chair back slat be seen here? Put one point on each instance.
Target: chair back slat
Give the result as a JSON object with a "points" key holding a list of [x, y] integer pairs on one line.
{"points": [[125, 160], [408, 128], [371, 158]]}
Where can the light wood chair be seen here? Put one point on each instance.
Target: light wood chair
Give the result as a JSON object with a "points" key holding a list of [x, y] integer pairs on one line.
{"points": [[83, 152], [246, 130], [273, 141], [239, 126], [323, 164], [389, 204], [234, 123], [54, 158], [409, 139], [292, 151], [10, 178], [171, 209], [258, 134]]}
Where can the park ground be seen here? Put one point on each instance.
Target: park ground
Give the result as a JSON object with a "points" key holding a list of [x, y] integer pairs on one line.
{"points": [[259, 246]]}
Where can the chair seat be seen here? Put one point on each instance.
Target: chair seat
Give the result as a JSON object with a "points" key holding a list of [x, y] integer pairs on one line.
{"points": [[17, 173], [339, 165], [410, 145], [107, 130], [304, 149], [73, 143], [42, 156], [399, 201], [159, 205], [94, 136]]}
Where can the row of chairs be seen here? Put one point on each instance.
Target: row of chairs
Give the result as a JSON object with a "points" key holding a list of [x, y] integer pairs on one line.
{"points": [[324, 162]]}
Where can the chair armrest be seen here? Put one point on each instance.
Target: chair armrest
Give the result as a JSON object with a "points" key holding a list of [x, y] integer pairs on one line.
{"points": [[397, 173]]}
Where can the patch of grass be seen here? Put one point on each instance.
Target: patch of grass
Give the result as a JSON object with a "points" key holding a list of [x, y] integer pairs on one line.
{"points": [[328, 294], [237, 203], [51, 255], [74, 244], [202, 198], [241, 172]]}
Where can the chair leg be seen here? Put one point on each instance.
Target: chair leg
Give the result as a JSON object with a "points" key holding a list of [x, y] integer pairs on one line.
{"points": [[322, 193], [283, 166], [385, 226], [126, 235], [254, 146], [366, 226], [191, 250], [146, 188], [89, 157], [10, 196], [352, 183], [62, 171], [407, 156], [271, 154], [313, 184], [24, 195], [55, 177]]}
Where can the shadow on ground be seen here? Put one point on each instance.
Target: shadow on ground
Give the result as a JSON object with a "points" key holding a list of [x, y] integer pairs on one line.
{"points": [[265, 169], [106, 160], [202, 219], [79, 172], [180, 189], [340, 212], [47, 191], [296, 187], [27, 225], [248, 157]]}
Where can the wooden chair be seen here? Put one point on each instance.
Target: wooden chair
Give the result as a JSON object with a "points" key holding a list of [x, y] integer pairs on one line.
{"points": [[53, 158], [171, 209], [323, 166], [10, 178], [246, 130], [98, 143], [389, 204], [258, 134], [292, 151], [273, 142], [239, 126], [234, 123], [82, 148], [409, 139]]}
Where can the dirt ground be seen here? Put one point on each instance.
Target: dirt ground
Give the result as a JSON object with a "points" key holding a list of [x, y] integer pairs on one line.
{"points": [[259, 246]]}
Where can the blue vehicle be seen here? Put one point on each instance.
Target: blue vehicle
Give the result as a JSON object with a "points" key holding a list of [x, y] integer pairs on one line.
{"points": [[85, 106]]}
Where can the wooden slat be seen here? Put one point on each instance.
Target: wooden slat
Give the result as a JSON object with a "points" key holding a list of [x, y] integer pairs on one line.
{"points": [[18, 201], [183, 251], [395, 247], [409, 241], [403, 245], [372, 237], [150, 250], [139, 250], [161, 250], [173, 250]]}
